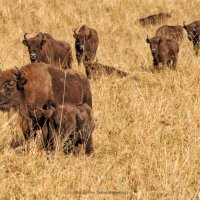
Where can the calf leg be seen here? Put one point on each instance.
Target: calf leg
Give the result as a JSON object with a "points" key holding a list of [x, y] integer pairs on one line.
{"points": [[88, 144]]}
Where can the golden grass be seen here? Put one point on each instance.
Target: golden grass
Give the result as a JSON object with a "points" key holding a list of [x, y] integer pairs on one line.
{"points": [[147, 135]]}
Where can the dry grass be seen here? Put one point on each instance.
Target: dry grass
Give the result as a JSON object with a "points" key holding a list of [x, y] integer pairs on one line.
{"points": [[147, 135]]}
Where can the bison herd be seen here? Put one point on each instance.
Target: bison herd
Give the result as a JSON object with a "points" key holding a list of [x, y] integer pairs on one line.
{"points": [[56, 100], [164, 45]]}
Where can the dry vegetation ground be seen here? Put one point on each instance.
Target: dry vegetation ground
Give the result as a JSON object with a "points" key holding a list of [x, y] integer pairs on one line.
{"points": [[147, 135]]}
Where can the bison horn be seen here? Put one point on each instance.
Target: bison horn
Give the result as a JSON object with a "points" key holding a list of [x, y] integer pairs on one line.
{"points": [[184, 24], [25, 38], [18, 71], [42, 35], [76, 31]]}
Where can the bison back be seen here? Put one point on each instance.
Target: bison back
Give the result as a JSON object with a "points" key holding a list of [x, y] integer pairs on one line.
{"points": [[44, 82]]}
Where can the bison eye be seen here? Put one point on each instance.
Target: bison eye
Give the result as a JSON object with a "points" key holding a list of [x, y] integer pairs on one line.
{"points": [[9, 84]]}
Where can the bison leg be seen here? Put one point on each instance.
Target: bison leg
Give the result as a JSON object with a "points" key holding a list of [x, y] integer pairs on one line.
{"points": [[196, 49], [174, 63], [26, 128], [155, 66], [89, 145], [78, 57], [71, 144], [87, 71]]}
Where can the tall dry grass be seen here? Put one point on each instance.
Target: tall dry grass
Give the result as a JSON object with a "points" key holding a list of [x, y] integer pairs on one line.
{"points": [[147, 135]]}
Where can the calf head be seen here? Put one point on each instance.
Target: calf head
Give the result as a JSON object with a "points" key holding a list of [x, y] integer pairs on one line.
{"points": [[154, 44], [35, 45], [49, 108], [81, 35], [11, 88]]}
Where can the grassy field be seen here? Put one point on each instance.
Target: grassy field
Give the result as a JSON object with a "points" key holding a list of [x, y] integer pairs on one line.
{"points": [[147, 135]]}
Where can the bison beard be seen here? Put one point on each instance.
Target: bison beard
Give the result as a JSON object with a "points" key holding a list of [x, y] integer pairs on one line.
{"points": [[27, 91]]}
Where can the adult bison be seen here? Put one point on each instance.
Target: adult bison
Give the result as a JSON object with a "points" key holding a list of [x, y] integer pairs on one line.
{"points": [[86, 43], [154, 19], [164, 51], [27, 90], [192, 31], [170, 32], [68, 126], [44, 48]]}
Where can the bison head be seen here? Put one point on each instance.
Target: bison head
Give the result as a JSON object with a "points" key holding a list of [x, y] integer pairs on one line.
{"points": [[34, 45], [81, 35], [11, 88], [154, 44], [190, 31]]}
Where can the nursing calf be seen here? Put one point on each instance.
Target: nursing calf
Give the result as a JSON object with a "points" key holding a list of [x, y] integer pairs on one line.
{"points": [[68, 126]]}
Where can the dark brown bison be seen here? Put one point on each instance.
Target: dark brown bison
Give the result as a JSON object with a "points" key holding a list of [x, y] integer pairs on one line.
{"points": [[68, 126], [193, 36], [154, 19], [27, 90], [44, 48], [170, 32], [86, 43], [94, 70], [164, 51]]}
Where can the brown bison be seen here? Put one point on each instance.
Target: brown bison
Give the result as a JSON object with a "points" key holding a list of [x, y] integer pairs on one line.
{"points": [[27, 90], [164, 51], [44, 48], [94, 69], [193, 36], [86, 43], [68, 126], [170, 32], [154, 19]]}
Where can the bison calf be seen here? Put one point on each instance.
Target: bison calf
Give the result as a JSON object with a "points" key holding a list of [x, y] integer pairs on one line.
{"points": [[94, 69], [69, 125], [170, 32], [164, 51], [44, 48], [154, 19], [86, 43], [193, 34]]}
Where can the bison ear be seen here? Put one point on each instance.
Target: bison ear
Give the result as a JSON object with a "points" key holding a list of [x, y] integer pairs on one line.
{"points": [[21, 82], [42, 42], [25, 42], [184, 25], [75, 35]]}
